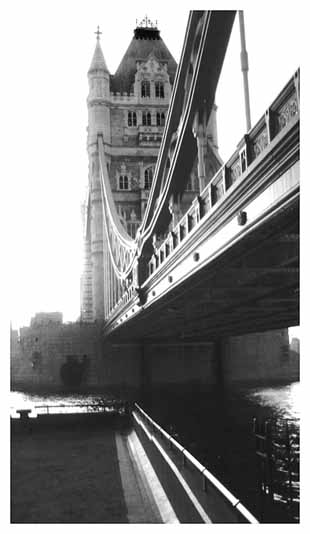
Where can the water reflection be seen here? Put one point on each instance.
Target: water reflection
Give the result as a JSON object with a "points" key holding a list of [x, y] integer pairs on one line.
{"points": [[283, 400], [22, 400]]}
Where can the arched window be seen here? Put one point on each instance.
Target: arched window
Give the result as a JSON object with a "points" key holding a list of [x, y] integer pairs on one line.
{"points": [[132, 118], [145, 88], [123, 182], [159, 90], [160, 119], [146, 118], [148, 177]]}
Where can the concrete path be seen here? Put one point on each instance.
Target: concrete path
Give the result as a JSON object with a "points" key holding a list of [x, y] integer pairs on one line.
{"points": [[145, 497], [83, 473], [66, 476]]}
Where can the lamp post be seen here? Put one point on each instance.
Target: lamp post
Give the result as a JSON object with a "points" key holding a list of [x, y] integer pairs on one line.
{"points": [[244, 69]]}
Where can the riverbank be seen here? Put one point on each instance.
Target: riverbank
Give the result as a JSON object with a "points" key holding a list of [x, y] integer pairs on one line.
{"points": [[215, 425]]}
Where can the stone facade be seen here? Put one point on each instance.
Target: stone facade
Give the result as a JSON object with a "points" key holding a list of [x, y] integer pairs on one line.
{"points": [[40, 352], [129, 109], [261, 358]]}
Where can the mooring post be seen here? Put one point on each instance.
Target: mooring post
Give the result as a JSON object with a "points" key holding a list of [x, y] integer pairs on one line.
{"points": [[269, 458]]}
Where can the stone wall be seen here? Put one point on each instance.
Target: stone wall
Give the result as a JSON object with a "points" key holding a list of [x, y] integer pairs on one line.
{"points": [[259, 357], [40, 352]]}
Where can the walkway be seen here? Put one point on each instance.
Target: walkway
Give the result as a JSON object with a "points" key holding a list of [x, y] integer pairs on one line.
{"points": [[83, 473]]}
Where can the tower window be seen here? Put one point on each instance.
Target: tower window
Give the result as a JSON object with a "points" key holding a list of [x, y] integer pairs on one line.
{"points": [[146, 118], [159, 90], [160, 119], [123, 182], [132, 118], [148, 177], [145, 88]]}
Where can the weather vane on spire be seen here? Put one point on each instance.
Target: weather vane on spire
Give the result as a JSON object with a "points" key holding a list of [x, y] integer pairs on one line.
{"points": [[98, 33]]}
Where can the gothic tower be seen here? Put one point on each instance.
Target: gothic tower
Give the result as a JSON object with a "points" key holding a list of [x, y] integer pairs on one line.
{"points": [[129, 109]]}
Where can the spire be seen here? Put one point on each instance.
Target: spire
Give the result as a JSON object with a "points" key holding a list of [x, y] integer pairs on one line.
{"points": [[98, 61]]}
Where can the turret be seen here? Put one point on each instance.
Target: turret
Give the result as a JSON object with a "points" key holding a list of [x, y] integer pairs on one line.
{"points": [[99, 95], [98, 122]]}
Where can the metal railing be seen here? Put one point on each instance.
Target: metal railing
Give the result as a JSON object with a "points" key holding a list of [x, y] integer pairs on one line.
{"points": [[277, 455], [49, 409], [207, 480]]}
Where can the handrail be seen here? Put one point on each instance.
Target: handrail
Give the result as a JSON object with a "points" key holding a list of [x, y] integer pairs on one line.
{"points": [[208, 476], [89, 408]]}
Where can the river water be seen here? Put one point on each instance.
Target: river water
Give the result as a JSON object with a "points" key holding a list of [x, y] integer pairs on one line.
{"points": [[215, 425]]}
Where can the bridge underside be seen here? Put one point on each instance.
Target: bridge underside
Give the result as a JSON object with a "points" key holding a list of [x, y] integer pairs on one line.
{"points": [[252, 287]]}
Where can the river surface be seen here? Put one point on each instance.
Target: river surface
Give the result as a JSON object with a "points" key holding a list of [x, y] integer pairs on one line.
{"points": [[215, 425]]}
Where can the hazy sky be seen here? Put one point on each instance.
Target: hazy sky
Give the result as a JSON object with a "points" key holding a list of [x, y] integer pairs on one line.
{"points": [[46, 50]]}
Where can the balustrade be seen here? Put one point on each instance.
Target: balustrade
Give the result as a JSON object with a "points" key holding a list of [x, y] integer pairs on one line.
{"points": [[284, 109]]}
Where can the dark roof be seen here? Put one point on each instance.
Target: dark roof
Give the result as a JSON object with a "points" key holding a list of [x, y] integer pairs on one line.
{"points": [[145, 41]]}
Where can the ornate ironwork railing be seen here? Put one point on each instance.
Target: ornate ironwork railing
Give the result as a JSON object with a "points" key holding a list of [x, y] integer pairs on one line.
{"points": [[278, 116]]}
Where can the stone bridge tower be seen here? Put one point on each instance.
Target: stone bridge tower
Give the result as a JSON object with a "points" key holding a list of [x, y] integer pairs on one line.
{"points": [[129, 109]]}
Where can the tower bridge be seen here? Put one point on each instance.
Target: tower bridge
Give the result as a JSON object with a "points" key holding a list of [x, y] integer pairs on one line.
{"points": [[191, 277], [181, 247]]}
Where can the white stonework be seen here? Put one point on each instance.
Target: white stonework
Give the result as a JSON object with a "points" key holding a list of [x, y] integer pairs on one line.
{"points": [[129, 109]]}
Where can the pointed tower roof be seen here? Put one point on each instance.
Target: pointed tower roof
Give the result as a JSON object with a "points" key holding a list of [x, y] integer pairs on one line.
{"points": [[145, 42], [98, 61]]}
